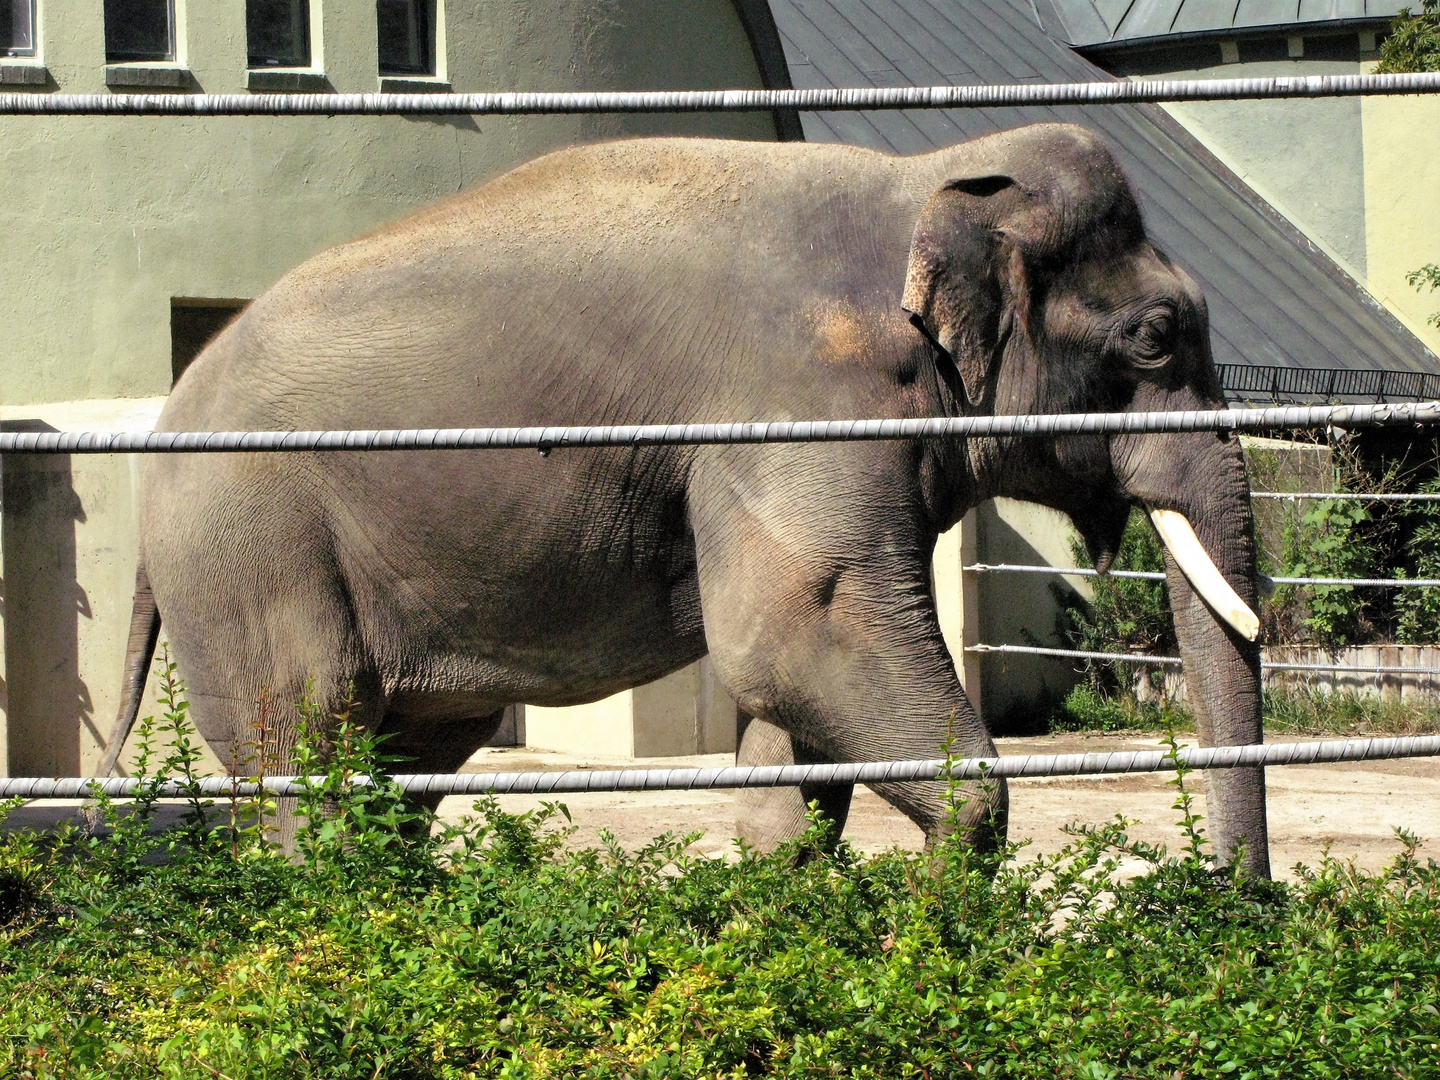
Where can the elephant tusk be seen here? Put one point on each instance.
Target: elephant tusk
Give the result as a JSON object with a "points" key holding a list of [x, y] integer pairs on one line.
{"points": [[1204, 576]]}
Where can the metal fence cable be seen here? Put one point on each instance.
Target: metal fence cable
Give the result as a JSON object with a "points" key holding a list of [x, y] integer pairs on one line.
{"points": [[1348, 496], [1114, 92], [545, 439], [1156, 575], [1147, 660], [873, 772]]}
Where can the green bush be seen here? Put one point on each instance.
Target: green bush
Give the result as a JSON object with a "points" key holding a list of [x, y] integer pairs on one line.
{"points": [[1414, 41], [1123, 614], [1329, 540], [491, 950], [1286, 711]]}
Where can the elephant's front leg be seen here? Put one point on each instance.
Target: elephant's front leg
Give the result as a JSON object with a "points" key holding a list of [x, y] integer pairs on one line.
{"points": [[820, 620], [767, 817]]}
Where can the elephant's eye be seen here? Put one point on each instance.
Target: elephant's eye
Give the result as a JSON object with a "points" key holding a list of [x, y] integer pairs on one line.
{"points": [[1152, 340]]}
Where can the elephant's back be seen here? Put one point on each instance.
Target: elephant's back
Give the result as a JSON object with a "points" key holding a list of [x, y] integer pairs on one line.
{"points": [[547, 295]]}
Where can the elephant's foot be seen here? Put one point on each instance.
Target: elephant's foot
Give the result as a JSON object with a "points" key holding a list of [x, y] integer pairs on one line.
{"points": [[765, 818]]}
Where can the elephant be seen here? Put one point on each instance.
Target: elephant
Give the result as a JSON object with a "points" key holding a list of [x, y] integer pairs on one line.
{"points": [[694, 280]]}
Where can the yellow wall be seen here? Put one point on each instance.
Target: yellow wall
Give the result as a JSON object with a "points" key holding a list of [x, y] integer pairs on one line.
{"points": [[1402, 203]]}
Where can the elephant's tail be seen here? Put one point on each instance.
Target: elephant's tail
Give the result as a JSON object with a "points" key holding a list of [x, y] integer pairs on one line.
{"points": [[144, 633]]}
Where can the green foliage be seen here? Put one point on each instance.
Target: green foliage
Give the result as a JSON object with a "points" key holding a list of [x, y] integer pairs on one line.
{"points": [[1298, 711], [1419, 609], [1087, 709], [1124, 614], [1414, 41], [1429, 274], [1329, 540], [492, 950]]}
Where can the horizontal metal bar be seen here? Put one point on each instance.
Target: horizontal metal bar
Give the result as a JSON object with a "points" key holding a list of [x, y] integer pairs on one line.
{"points": [[1116, 92], [546, 439], [1155, 575], [1064, 571], [1146, 660], [1347, 496], [874, 772]]}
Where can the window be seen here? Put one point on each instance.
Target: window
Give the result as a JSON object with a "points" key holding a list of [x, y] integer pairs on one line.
{"points": [[277, 33], [192, 324], [406, 33], [17, 23], [139, 30]]}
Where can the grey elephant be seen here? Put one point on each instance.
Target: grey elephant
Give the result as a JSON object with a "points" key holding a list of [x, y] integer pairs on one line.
{"points": [[682, 280]]}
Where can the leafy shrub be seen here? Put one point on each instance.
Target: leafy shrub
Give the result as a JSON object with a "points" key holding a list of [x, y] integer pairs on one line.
{"points": [[1414, 41], [1089, 709], [1287, 711], [491, 950], [1123, 614], [1419, 609], [1327, 540]]}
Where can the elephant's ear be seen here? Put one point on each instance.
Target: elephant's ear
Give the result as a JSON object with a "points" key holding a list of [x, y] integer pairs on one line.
{"points": [[965, 285]]}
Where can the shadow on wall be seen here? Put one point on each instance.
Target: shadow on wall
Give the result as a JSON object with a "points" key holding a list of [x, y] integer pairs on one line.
{"points": [[1020, 609], [47, 702]]}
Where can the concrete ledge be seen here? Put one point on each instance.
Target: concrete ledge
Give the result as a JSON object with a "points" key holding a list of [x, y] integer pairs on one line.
{"points": [[287, 81], [156, 76], [24, 75], [413, 84]]}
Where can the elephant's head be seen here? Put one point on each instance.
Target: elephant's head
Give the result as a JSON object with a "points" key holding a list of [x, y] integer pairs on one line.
{"points": [[1031, 270]]}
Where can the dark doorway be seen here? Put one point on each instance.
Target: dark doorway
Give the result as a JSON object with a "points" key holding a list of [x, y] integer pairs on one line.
{"points": [[193, 322]]}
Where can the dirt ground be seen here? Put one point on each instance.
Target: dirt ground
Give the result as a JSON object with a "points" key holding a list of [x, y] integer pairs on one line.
{"points": [[1351, 808]]}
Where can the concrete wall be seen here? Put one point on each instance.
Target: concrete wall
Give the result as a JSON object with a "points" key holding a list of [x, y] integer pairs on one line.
{"points": [[1402, 228], [1306, 158], [1358, 176], [107, 220], [684, 713], [1020, 609]]}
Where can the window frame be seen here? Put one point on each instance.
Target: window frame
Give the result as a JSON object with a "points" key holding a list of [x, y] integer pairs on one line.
{"points": [[172, 54], [429, 68], [32, 50], [307, 63]]}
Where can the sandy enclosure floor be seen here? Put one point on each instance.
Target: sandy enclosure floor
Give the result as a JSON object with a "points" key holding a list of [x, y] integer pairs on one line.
{"points": [[1350, 807]]}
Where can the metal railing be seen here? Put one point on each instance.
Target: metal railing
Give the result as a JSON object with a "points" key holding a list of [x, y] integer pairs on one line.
{"points": [[1156, 575], [545, 439], [1284, 383], [1017, 766], [1147, 660], [1110, 92], [1348, 496]]}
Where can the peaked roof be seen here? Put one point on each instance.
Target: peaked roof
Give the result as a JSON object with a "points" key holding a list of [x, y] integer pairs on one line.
{"points": [[1090, 22], [1274, 298]]}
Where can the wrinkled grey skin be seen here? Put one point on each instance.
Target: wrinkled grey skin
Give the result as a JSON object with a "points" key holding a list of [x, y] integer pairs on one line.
{"points": [[690, 280]]}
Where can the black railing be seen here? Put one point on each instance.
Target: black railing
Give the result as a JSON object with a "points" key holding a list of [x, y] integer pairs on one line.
{"points": [[1287, 385]]}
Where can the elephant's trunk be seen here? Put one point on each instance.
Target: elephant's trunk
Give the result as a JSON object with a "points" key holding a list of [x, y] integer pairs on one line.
{"points": [[1202, 477]]}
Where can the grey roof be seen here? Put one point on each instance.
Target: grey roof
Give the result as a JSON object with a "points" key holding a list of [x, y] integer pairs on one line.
{"points": [[1090, 22], [1274, 297]]}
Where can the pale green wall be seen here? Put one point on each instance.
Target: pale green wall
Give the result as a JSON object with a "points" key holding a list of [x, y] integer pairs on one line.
{"points": [[1306, 158], [106, 219]]}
